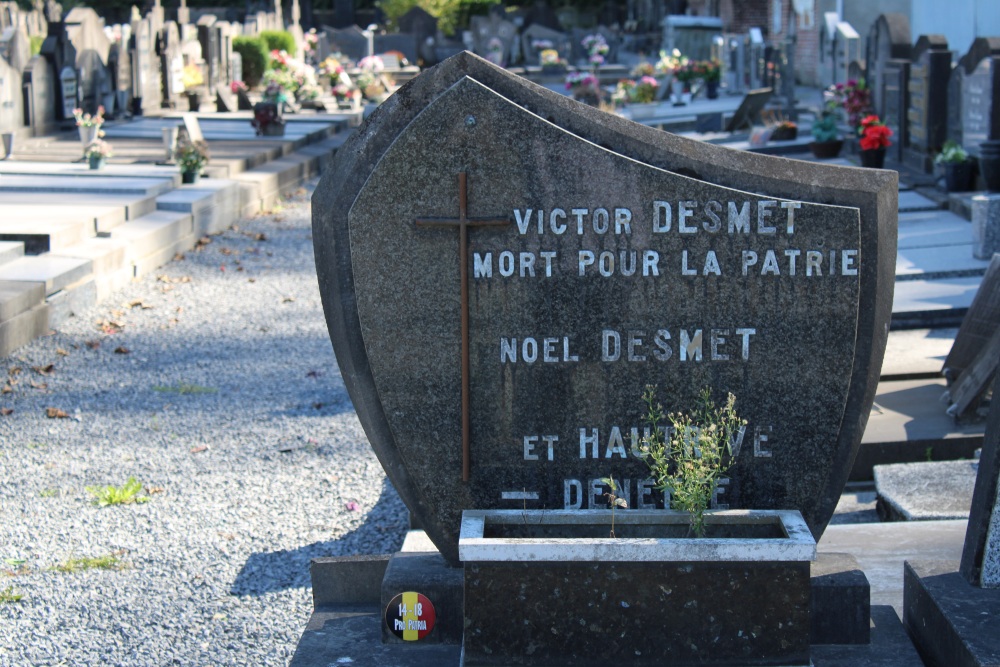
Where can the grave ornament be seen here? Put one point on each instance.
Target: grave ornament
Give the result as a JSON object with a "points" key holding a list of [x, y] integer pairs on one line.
{"points": [[551, 261]]}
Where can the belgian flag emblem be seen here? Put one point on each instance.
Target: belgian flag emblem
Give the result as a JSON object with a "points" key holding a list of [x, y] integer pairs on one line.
{"points": [[410, 616]]}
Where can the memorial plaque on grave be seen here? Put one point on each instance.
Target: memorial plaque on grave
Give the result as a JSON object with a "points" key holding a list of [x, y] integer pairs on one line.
{"points": [[980, 108], [927, 115], [504, 270]]}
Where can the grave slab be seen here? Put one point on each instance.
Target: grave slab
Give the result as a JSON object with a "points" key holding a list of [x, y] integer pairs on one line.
{"points": [[917, 299], [927, 491], [133, 205], [25, 218], [82, 170], [23, 328], [908, 423], [890, 645], [212, 203], [910, 201], [18, 297], [933, 229], [73, 300], [942, 262], [881, 548], [52, 271], [916, 352], [10, 250], [142, 187], [953, 623]]}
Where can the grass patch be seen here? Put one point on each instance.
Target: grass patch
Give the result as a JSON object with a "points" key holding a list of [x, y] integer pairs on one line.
{"points": [[185, 388], [118, 495], [108, 562], [48, 493], [10, 595]]}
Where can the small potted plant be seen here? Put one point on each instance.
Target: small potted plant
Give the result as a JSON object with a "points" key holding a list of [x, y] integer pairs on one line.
{"points": [[551, 62], [827, 142], [957, 167], [711, 73], [192, 78], [874, 140], [584, 87], [267, 120], [98, 151], [639, 95], [192, 156]]}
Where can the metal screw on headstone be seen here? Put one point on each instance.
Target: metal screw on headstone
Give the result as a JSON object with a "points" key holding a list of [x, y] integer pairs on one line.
{"points": [[470, 121]]}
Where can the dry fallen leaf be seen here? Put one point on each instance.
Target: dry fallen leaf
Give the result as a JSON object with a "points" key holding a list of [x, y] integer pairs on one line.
{"points": [[200, 243], [121, 349], [199, 449], [7, 388], [16, 370], [260, 237], [314, 374], [288, 299], [154, 489], [6, 411], [44, 370], [225, 251], [179, 257], [93, 344], [38, 385], [61, 352], [55, 413], [251, 280]]}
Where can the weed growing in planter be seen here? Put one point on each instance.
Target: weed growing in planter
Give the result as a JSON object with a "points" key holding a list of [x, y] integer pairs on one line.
{"points": [[688, 458], [614, 501]]}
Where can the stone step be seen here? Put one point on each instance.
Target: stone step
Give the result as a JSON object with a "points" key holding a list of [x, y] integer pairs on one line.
{"points": [[214, 204], [18, 297], [133, 206], [10, 250], [82, 170], [940, 302], [52, 271], [914, 201], [110, 185], [110, 265], [25, 326], [916, 353], [152, 233], [47, 228]]}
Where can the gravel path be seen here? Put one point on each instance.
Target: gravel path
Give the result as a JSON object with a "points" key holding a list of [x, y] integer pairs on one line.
{"points": [[213, 383]]}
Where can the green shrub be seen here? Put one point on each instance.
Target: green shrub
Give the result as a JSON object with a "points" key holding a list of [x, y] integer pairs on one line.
{"points": [[278, 40], [255, 56]]}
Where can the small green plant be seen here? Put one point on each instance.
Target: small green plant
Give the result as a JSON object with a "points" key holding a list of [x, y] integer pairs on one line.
{"points": [[951, 153], [185, 388], [10, 595], [688, 459], [118, 495], [48, 493], [614, 501], [825, 127], [108, 562]]}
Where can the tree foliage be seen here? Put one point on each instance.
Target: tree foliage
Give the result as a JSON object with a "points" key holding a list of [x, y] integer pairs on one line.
{"points": [[452, 15]]}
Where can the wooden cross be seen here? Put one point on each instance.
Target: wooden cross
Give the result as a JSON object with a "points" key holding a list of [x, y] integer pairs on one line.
{"points": [[463, 222]]}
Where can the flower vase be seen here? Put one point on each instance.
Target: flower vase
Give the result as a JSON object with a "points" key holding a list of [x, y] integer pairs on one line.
{"points": [[189, 177], [677, 88], [989, 164], [958, 176], [194, 101], [96, 161], [87, 134], [642, 111], [873, 158], [712, 89]]}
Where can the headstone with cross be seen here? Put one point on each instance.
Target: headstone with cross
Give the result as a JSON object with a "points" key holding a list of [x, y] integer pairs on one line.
{"points": [[597, 256]]}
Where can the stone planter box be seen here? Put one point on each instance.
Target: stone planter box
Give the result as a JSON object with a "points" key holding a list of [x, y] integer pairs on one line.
{"points": [[551, 587]]}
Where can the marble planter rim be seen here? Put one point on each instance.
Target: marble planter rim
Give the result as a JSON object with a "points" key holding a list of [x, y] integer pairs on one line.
{"points": [[797, 544]]}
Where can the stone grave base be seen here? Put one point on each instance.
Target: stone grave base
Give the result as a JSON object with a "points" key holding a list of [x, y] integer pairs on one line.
{"points": [[347, 625], [953, 623]]}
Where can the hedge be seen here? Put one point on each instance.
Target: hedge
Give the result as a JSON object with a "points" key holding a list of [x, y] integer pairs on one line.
{"points": [[279, 40], [256, 57]]}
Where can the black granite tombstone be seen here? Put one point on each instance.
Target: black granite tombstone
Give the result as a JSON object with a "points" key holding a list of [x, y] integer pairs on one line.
{"points": [[888, 39], [61, 56], [893, 87], [586, 256], [980, 103], [952, 609], [927, 114]]}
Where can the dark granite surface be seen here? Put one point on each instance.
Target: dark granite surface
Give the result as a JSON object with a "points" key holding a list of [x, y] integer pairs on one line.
{"points": [[391, 293], [637, 614], [429, 575], [840, 601], [976, 556], [952, 623]]}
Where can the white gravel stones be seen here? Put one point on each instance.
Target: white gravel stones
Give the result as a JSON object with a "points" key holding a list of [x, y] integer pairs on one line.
{"points": [[230, 401]]}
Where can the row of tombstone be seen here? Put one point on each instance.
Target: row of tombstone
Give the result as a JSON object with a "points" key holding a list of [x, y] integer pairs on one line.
{"points": [[928, 94], [129, 68]]}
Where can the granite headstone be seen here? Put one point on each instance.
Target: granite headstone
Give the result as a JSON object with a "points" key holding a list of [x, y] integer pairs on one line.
{"points": [[888, 39], [927, 114], [40, 95], [981, 104], [538, 34], [601, 256]]}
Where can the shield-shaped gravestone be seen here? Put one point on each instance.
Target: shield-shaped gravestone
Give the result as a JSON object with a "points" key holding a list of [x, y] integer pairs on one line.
{"points": [[504, 270]]}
